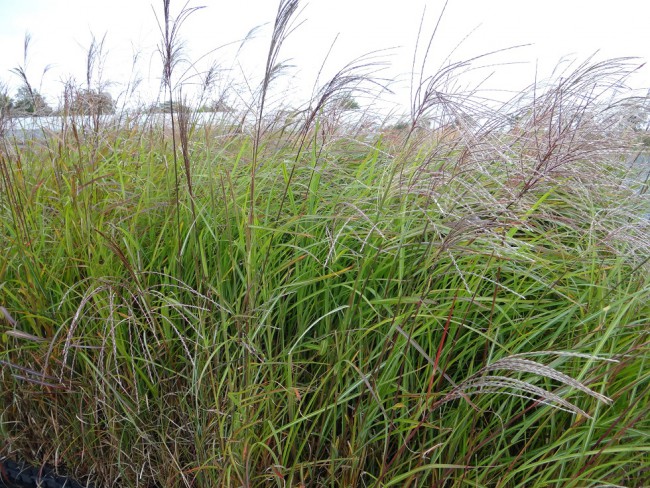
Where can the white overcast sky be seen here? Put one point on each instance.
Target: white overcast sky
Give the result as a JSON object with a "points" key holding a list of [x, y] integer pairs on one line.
{"points": [[61, 32]]}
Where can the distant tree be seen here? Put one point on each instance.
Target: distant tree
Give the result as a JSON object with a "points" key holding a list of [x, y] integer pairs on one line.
{"points": [[221, 106], [163, 107], [29, 101], [347, 102], [6, 104], [216, 106], [91, 102], [157, 108], [400, 125]]}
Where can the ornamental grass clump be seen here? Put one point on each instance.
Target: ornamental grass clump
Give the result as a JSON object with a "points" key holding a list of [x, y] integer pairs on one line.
{"points": [[461, 300]]}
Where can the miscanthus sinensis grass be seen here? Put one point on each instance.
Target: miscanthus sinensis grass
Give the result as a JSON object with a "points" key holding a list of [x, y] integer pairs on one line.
{"points": [[459, 305]]}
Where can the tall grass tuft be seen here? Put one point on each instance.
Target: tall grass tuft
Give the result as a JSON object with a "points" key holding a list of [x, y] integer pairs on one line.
{"points": [[460, 300]]}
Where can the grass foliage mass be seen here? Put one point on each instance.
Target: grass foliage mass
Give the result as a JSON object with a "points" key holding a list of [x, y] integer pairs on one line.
{"points": [[461, 299]]}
